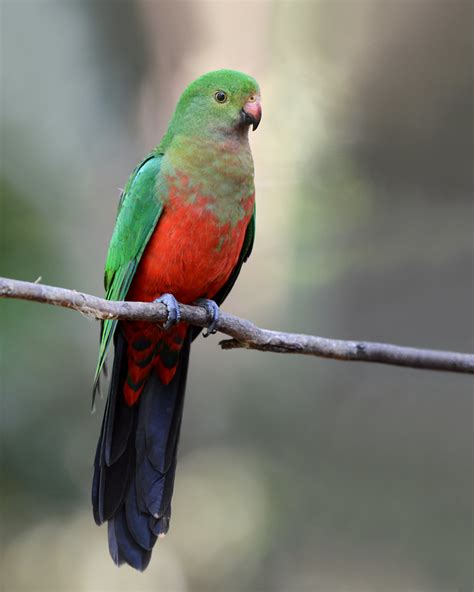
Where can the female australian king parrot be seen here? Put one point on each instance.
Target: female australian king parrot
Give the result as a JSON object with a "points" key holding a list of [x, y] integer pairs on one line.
{"points": [[185, 226]]}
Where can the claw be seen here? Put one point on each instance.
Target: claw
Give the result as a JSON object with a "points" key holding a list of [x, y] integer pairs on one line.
{"points": [[172, 306], [213, 311]]}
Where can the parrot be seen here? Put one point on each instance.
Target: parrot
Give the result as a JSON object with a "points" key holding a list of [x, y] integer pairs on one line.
{"points": [[185, 226]]}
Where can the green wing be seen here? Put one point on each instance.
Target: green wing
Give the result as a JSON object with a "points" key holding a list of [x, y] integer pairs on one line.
{"points": [[138, 214]]}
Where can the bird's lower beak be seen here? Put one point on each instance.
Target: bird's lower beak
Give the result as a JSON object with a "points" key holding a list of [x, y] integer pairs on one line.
{"points": [[251, 114]]}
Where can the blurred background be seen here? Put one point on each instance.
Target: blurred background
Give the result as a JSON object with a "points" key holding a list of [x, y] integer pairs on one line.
{"points": [[294, 473]]}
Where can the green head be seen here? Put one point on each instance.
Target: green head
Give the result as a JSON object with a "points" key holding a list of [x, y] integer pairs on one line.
{"points": [[219, 103]]}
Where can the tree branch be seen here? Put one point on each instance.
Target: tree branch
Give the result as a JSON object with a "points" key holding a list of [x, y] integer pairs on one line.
{"points": [[244, 333]]}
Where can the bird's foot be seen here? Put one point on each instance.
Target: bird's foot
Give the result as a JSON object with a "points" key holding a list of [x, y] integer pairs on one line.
{"points": [[172, 306], [213, 311]]}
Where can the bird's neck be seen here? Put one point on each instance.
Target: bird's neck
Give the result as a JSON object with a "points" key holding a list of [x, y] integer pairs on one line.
{"points": [[220, 167]]}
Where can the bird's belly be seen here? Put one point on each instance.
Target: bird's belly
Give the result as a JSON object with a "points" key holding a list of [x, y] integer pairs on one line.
{"points": [[191, 253]]}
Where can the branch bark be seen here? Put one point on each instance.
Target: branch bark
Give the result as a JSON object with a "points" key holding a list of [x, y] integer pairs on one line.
{"points": [[244, 334]]}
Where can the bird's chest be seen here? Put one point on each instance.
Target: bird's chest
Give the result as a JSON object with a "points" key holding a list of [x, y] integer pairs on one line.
{"points": [[195, 246]]}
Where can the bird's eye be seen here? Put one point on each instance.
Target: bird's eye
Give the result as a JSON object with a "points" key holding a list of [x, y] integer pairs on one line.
{"points": [[252, 99], [220, 96]]}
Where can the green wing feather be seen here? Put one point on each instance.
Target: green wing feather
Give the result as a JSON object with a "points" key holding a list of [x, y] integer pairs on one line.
{"points": [[138, 214]]}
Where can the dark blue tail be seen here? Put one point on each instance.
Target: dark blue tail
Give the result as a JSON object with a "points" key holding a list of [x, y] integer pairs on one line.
{"points": [[135, 461]]}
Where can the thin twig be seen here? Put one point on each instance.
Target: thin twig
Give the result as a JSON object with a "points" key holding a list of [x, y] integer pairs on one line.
{"points": [[244, 333]]}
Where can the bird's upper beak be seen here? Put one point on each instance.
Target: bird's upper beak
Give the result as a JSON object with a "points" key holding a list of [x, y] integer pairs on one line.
{"points": [[251, 113]]}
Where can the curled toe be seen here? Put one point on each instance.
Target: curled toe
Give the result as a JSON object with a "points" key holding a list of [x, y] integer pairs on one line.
{"points": [[213, 312], [172, 306]]}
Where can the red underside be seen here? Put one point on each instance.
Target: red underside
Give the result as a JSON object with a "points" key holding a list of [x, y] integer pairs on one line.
{"points": [[190, 255]]}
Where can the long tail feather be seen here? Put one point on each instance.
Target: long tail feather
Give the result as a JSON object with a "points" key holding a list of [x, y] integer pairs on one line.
{"points": [[136, 458]]}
